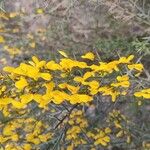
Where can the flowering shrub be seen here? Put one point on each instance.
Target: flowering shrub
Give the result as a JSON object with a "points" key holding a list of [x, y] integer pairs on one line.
{"points": [[46, 105]]}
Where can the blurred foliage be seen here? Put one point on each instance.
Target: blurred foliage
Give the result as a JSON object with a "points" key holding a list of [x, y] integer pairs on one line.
{"points": [[113, 48]]}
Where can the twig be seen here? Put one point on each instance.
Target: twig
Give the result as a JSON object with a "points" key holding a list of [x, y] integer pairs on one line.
{"points": [[66, 116]]}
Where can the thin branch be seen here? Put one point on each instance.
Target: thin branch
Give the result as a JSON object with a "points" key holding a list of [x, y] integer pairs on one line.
{"points": [[66, 116]]}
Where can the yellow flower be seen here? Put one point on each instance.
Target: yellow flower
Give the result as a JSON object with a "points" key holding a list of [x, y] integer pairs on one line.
{"points": [[67, 64], [70, 147], [32, 45], [109, 91], [138, 94], [15, 30], [36, 63], [36, 141], [59, 97], [125, 84], [13, 14], [123, 93], [117, 124], [125, 60], [122, 81], [27, 147], [49, 87], [145, 93], [119, 134], [8, 69], [37, 98], [63, 54], [79, 98], [73, 132], [128, 139], [105, 67], [123, 78], [89, 56], [21, 84], [27, 70], [17, 104], [39, 11], [4, 16], [8, 130], [79, 79], [30, 36], [45, 137], [45, 76], [51, 65], [71, 122], [30, 71], [71, 88], [88, 75], [114, 95], [5, 101], [63, 85], [2, 40], [146, 90], [146, 145], [101, 138], [107, 130], [94, 85], [26, 98], [138, 67], [45, 99], [3, 139], [29, 137], [15, 137]]}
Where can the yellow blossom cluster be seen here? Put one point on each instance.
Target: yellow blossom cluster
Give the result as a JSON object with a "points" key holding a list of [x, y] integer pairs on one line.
{"points": [[64, 83], [145, 93], [79, 132], [23, 134], [122, 81], [100, 136], [146, 145], [12, 51], [72, 88], [6, 18], [120, 122], [2, 40], [77, 124]]}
